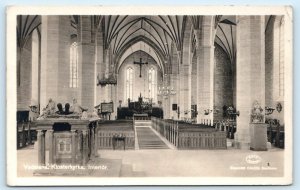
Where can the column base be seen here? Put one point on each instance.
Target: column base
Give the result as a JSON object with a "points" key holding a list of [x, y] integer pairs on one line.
{"points": [[241, 145], [258, 149]]}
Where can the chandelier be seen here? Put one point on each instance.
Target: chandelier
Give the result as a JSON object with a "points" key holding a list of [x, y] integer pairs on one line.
{"points": [[165, 89]]}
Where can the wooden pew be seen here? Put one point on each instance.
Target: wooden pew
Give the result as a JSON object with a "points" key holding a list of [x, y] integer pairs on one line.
{"points": [[109, 133], [190, 136], [26, 131], [275, 133], [229, 126]]}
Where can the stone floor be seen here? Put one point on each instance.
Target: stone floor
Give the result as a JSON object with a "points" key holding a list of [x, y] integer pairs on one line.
{"points": [[148, 139], [172, 162]]}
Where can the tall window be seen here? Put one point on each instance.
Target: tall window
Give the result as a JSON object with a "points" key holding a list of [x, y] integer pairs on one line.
{"points": [[129, 83], [73, 65], [152, 83]]}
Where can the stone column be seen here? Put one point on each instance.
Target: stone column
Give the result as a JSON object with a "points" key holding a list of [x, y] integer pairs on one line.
{"points": [[55, 59], [84, 147], [106, 89], [205, 69], [41, 147], [173, 98], [86, 62], [51, 148], [96, 140], [80, 145], [185, 73], [29, 141], [179, 108], [114, 98], [167, 99], [250, 73], [185, 90], [93, 140], [116, 102], [74, 147], [194, 82], [100, 65], [174, 80]]}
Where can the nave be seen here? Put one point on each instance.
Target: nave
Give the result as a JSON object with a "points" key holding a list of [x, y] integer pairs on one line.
{"points": [[145, 92]]}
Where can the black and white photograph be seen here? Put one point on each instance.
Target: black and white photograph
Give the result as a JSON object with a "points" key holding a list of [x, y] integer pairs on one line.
{"points": [[149, 95]]}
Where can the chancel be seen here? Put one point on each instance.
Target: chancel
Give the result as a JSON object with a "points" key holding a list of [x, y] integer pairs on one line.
{"points": [[208, 85]]}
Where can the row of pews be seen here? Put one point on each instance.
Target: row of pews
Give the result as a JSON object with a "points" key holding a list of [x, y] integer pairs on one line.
{"points": [[26, 134], [120, 134], [117, 134], [190, 136], [229, 126], [26, 130], [275, 133]]}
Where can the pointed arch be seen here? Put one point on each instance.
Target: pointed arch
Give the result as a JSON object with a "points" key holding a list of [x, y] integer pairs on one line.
{"points": [[147, 41]]}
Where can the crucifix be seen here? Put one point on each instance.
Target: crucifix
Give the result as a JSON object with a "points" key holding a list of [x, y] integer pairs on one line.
{"points": [[140, 63]]}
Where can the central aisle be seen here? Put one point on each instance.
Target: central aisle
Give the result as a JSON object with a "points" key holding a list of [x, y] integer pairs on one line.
{"points": [[147, 139]]}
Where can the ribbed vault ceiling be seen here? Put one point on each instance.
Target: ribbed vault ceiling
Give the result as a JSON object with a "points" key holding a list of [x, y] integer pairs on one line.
{"points": [[124, 34], [140, 46], [161, 30], [26, 24], [226, 35]]}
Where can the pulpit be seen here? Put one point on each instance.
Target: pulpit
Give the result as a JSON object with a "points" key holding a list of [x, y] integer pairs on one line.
{"points": [[71, 141]]}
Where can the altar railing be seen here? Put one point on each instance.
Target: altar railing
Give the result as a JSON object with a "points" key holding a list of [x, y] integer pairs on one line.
{"points": [[141, 117]]}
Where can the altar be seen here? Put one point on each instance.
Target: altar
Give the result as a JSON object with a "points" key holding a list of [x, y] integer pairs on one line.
{"points": [[139, 107]]}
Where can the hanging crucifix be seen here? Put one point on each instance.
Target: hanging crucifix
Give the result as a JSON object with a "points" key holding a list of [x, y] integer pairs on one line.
{"points": [[140, 63]]}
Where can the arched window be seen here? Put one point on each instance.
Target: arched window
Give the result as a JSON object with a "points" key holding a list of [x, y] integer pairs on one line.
{"points": [[152, 83], [129, 83], [35, 68], [73, 65]]}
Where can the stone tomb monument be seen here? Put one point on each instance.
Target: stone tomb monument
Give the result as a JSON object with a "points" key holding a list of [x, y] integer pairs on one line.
{"points": [[72, 142]]}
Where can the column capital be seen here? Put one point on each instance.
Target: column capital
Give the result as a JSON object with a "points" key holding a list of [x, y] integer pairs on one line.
{"points": [[40, 131], [73, 130], [84, 132]]}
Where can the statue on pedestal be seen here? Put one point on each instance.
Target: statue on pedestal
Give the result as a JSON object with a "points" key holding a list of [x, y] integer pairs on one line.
{"points": [[257, 115]]}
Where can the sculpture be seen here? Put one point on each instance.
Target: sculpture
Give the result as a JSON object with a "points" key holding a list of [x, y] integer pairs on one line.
{"points": [[257, 115]]}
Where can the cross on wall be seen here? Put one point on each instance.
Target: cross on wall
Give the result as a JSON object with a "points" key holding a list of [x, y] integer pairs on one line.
{"points": [[140, 63]]}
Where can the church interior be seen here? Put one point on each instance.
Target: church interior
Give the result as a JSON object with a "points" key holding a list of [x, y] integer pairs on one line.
{"points": [[150, 95]]}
